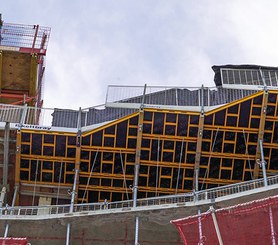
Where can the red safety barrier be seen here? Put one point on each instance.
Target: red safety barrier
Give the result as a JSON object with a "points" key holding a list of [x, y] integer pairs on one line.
{"points": [[253, 223], [13, 241]]}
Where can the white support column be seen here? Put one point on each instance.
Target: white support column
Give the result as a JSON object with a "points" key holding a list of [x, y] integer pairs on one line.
{"points": [[137, 162], [212, 210], [273, 239], [263, 163], [73, 193], [136, 242], [200, 228]]}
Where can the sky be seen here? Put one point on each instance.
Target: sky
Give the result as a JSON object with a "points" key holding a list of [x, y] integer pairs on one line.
{"points": [[96, 43]]}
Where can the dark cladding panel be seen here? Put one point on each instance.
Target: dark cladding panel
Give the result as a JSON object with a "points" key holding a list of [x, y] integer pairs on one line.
{"points": [[36, 144], [158, 123], [97, 138], [244, 115], [182, 125], [60, 147], [220, 118]]}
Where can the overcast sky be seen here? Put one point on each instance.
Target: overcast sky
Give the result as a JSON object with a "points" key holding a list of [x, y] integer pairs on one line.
{"points": [[95, 43]]}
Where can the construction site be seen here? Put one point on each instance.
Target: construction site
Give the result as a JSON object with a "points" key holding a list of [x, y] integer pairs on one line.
{"points": [[152, 165]]}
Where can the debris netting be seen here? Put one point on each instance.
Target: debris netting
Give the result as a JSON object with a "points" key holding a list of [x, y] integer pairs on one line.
{"points": [[13, 241], [253, 223]]}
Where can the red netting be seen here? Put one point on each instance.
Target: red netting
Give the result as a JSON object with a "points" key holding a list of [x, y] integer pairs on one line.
{"points": [[13, 241], [253, 223]]}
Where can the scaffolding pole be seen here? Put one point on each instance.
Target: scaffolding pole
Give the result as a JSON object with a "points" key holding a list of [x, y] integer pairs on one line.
{"points": [[200, 228], [212, 210], [137, 162], [73, 193], [13, 203], [263, 163], [273, 239]]}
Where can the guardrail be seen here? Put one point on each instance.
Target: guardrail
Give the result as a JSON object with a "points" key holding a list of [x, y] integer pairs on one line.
{"points": [[116, 107], [147, 202], [132, 96], [24, 38]]}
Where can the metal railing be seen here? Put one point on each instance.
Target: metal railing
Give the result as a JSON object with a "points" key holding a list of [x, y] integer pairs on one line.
{"points": [[129, 96], [147, 202], [249, 77], [27, 38], [192, 99], [66, 118]]}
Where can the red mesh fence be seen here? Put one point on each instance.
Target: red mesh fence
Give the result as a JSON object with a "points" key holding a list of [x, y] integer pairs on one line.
{"points": [[13, 241], [24, 38], [253, 223]]}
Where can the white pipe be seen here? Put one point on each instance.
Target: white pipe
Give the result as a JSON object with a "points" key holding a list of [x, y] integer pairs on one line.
{"points": [[200, 228], [263, 163], [212, 210], [272, 227], [68, 234], [136, 230]]}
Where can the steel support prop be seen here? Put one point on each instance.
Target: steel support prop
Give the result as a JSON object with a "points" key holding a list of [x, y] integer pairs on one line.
{"points": [[261, 130], [263, 162], [200, 228], [212, 210], [73, 193], [273, 239], [199, 142], [137, 162], [68, 234]]}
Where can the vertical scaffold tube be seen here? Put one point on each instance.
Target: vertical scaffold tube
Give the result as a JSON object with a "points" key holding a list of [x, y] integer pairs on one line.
{"points": [[200, 228], [137, 162], [273, 239], [136, 231], [73, 193], [212, 210], [263, 163]]}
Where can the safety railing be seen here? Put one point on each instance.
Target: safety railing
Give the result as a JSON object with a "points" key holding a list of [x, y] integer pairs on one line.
{"points": [[24, 38], [147, 202], [66, 118], [133, 96], [263, 77]]}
